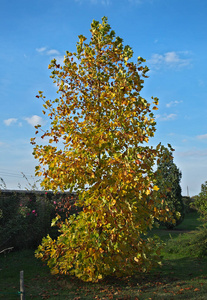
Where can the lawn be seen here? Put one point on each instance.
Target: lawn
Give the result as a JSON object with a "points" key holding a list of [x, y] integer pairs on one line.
{"points": [[181, 276]]}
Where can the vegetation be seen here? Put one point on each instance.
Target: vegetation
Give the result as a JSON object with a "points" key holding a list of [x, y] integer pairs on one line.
{"points": [[200, 202], [198, 243], [188, 204], [25, 218], [168, 181], [194, 244], [103, 125], [182, 276]]}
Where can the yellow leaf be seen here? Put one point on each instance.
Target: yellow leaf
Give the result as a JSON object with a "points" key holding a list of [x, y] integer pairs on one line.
{"points": [[54, 271], [113, 202], [155, 188]]}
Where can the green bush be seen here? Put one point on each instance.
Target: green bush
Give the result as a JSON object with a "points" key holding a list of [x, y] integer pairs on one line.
{"points": [[192, 244], [198, 244], [200, 203], [188, 204], [25, 219]]}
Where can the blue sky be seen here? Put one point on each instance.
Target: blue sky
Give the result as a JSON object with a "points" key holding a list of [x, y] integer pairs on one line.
{"points": [[169, 34]]}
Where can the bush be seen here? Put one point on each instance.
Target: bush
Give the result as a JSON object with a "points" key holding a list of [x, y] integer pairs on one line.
{"points": [[200, 203], [188, 204], [26, 217], [198, 244], [24, 220], [190, 244]]}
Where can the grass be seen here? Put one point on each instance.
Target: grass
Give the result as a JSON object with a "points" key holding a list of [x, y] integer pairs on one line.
{"points": [[191, 222], [181, 276]]}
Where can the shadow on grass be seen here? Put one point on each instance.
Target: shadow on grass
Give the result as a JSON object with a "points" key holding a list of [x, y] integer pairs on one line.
{"points": [[183, 278]]}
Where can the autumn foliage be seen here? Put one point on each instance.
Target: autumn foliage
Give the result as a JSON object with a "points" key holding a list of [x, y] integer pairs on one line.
{"points": [[102, 126]]}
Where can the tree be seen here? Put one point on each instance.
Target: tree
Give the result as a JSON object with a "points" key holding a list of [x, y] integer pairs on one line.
{"points": [[103, 125], [200, 203], [168, 181]]}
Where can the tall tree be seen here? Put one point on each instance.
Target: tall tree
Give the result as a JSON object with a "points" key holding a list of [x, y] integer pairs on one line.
{"points": [[168, 181], [104, 125]]}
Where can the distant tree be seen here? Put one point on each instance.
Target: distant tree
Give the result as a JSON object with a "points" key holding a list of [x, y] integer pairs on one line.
{"points": [[103, 125], [168, 181], [200, 203], [188, 203]]}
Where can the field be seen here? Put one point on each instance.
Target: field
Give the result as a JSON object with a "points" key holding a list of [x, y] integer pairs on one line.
{"points": [[182, 276]]}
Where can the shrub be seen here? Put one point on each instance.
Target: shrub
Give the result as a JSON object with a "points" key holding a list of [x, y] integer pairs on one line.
{"points": [[188, 204], [200, 203], [25, 219], [189, 244]]}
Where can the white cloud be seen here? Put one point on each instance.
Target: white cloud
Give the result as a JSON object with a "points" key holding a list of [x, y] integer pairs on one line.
{"points": [[35, 120], [166, 117], [53, 52], [8, 122], [40, 50], [43, 50], [170, 59], [173, 103], [202, 137]]}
